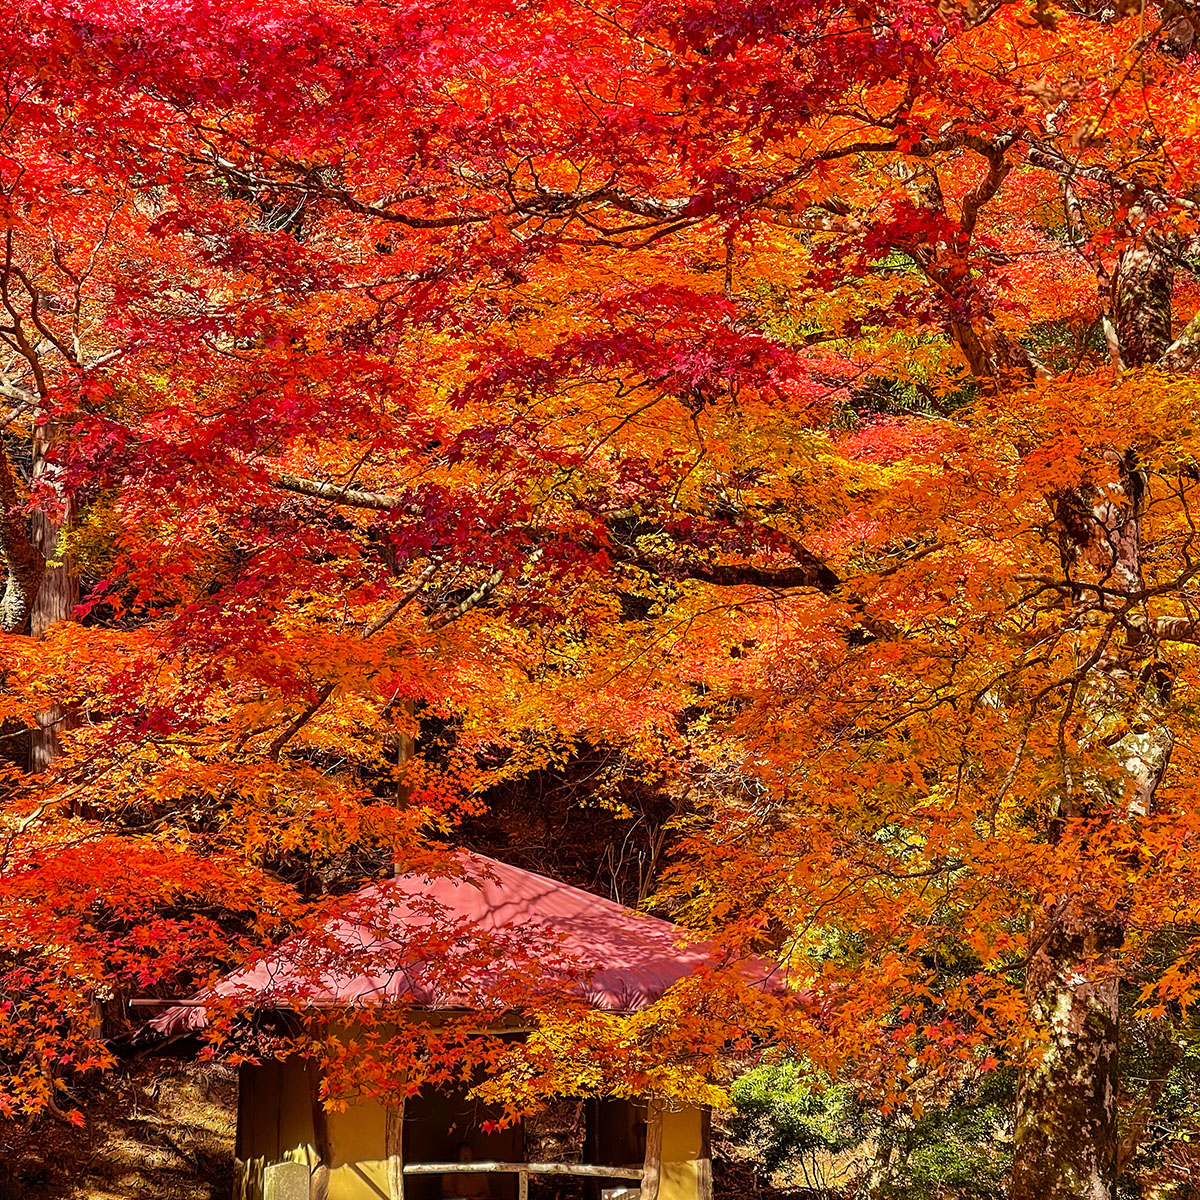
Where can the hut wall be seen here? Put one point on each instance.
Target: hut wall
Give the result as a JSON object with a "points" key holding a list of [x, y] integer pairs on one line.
{"points": [[274, 1121], [686, 1166], [275, 1124]]}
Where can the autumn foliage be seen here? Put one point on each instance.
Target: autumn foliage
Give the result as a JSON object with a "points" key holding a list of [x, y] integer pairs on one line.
{"points": [[796, 399]]}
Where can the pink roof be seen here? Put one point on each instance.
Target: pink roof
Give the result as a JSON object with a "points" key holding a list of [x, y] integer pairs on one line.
{"points": [[487, 938]]}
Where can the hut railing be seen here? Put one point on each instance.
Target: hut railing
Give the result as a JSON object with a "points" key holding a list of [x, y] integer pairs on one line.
{"points": [[523, 1171]]}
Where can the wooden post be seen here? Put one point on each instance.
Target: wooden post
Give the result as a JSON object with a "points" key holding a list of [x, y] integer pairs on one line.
{"points": [[394, 1149], [523, 1185], [704, 1178], [319, 1187], [652, 1168]]}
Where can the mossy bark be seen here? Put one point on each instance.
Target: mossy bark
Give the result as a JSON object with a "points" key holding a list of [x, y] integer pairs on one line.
{"points": [[1066, 1122]]}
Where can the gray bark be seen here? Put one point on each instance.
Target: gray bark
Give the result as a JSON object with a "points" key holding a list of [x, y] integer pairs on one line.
{"points": [[1065, 1141], [1066, 1126], [1144, 278], [1183, 354]]}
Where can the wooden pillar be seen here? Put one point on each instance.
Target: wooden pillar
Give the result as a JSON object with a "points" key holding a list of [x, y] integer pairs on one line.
{"points": [[394, 1148], [704, 1178], [319, 1184], [652, 1168]]}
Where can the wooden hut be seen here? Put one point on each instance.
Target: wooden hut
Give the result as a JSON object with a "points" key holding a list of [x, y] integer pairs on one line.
{"points": [[434, 1145]]}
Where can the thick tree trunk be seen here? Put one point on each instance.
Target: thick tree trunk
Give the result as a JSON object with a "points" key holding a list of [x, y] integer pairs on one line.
{"points": [[1066, 1124], [56, 600], [1142, 304], [1065, 1144], [59, 591], [24, 565]]}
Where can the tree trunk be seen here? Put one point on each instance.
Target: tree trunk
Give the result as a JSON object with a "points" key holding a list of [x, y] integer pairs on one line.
{"points": [[1065, 1144], [1142, 304], [55, 601], [1066, 1126], [24, 565], [394, 1148]]}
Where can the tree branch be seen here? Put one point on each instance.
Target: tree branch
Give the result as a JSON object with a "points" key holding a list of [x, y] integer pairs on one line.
{"points": [[1183, 354], [354, 497], [479, 595], [809, 572]]}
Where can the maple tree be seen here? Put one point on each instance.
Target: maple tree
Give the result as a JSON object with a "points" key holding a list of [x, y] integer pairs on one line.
{"points": [[794, 398]]}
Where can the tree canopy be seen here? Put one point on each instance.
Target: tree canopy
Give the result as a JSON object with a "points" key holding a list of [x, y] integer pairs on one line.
{"points": [[791, 403]]}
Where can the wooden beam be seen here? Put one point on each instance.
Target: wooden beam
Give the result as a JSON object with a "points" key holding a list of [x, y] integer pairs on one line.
{"points": [[529, 1168]]}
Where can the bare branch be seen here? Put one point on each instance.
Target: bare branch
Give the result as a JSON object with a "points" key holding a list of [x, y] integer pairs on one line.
{"points": [[353, 497]]}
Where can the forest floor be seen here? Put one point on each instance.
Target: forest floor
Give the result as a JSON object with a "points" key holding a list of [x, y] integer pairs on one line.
{"points": [[162, 1130]]}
